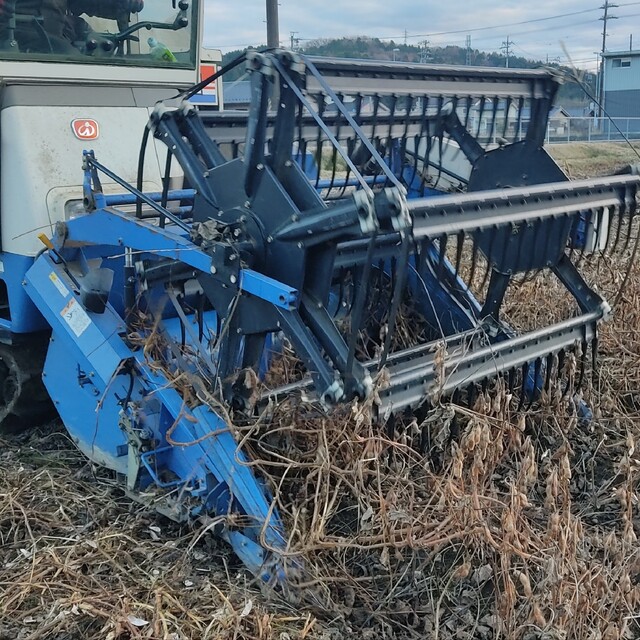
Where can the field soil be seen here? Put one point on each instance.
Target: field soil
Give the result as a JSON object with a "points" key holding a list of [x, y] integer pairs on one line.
{"points": [[497, 520]]}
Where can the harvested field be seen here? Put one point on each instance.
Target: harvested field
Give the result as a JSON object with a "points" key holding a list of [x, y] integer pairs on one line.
{"points": [[586, 159], [463, 523]]}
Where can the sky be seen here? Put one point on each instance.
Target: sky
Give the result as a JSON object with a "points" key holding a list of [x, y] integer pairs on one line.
{"points": [[567, 31]]}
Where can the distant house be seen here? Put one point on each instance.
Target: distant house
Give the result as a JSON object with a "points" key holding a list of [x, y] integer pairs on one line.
{"points": [[559, 120], [622, 84]]}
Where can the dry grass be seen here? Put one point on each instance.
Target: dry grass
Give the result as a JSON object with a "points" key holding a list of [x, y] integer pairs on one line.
{"points": [[586, 159], [477, 522]]}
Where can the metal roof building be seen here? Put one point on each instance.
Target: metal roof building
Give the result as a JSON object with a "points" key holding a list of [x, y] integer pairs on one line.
{"points": [[622, 84]]}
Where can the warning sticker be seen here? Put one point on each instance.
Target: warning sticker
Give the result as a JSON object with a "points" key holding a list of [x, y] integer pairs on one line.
{"points": [[58, 284], [76, 317]]}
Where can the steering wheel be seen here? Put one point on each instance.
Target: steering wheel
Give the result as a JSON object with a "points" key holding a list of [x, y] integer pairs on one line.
{"points": [[113, 43]]}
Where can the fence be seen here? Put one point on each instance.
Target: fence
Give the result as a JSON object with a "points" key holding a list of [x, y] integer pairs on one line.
{"points": [[592, 129]]}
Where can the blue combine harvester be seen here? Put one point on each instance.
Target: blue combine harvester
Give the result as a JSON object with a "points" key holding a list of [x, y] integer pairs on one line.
{"points": [[149, 286]]}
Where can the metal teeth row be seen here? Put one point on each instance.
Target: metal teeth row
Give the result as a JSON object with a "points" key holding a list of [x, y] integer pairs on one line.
{"points": [[566, 370]]}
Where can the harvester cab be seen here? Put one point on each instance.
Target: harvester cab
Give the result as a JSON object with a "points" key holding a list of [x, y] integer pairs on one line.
{"points": [[60, 94], [173, 273]]}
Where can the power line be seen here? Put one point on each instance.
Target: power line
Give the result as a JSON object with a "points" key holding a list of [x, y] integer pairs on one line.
{"points": [[493, 27], [501, 26]]}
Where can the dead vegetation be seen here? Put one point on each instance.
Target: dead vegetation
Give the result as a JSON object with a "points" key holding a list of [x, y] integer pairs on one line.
{"points": [[481, 522]]}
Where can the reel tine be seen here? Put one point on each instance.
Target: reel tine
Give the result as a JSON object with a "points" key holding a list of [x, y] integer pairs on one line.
{"points": [[359, 303], [567, 386], [460, 238], [598, 226], [398, 288], [390, 426], [537, 368], [536, 240], [561, 357], [489, 268], [320, 101], [610, 235], [474, 262], [612, 214], [517, 134], [472, 395], [628, 220], [583, 365], [523, 386], [547, 372], [376, 296], [467, 115], [594, 357], [507, 110], [392, 119], [512, 379], [494, 117], [442, 253], [480, 114]]}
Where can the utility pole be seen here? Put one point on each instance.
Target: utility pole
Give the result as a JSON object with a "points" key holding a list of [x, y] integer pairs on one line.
{"points": [[506, 47], [605, 17], [405, 37], [425, 56], [467, 59], [273, 29], [294, 41]]}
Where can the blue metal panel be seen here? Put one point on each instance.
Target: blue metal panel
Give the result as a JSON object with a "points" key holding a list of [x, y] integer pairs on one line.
{"points": [[622, 104], [94, 335], [99, 384], [25, 317]]}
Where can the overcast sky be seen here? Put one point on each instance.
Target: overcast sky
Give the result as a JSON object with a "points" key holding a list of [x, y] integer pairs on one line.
{"points": [[232, 24]]}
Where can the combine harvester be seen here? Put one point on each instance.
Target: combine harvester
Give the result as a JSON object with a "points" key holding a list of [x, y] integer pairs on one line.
{"points": [[147, 285]]}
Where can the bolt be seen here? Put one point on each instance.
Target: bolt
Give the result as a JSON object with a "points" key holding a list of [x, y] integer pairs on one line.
{"points": [[233, 279], [300, 245], [213, 270], [205, 174], [288, 163], [269, 239], [24, 283], [259, 166]]}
